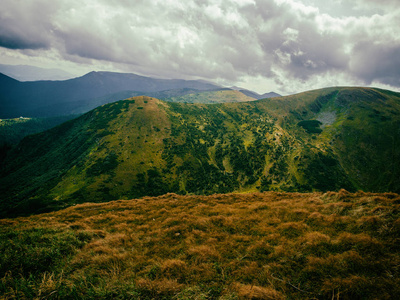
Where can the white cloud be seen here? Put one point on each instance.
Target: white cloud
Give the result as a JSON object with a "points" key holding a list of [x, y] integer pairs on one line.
{"points": [[290, 42]]}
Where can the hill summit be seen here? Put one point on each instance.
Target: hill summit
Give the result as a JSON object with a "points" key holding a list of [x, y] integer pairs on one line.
{"points": [[319, 140]]}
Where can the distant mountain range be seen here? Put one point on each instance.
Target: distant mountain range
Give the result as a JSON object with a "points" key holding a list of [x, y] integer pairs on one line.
{"points": [[79, 95], [258, 96], [254, 94], [320, 140], [31, 73]]}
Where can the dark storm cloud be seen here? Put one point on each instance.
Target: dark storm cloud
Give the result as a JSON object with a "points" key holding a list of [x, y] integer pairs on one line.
{"points": [[26, 25], [283, 39], [377, 62], [19, 41]]}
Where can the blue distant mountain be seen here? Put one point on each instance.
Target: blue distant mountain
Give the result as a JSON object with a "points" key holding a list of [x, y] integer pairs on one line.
{"points": [[256, 95], [31, 73], [81, 94]]}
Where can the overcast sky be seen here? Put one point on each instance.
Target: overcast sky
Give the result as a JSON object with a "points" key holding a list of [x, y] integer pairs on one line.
{"points": [[284, 46]]}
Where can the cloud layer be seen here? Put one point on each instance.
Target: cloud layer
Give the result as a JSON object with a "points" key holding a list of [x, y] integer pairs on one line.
{"points": [[291, 44]]}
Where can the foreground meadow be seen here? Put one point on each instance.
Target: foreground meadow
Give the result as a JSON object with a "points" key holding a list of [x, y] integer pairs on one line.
{"points": [[226, 246]]}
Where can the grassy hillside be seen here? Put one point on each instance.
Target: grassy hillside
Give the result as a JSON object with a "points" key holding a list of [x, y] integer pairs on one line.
{"points": [[321, 140], [13, 130], [233, 246]]}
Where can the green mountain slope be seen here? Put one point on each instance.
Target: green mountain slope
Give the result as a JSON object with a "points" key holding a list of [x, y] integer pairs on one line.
{"points": [[319, 140], [13, 130]]}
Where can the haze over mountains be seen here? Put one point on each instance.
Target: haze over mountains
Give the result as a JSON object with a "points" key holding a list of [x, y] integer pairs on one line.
{"points": [[79, 95], [319, 140], [32, 73]]}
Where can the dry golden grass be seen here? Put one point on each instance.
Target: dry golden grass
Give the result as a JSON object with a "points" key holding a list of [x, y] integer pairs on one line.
{"points": [[235, 246], [258, 292]]}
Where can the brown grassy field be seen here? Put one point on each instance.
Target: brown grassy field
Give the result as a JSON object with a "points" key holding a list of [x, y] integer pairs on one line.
{"points": [[226, 246]]}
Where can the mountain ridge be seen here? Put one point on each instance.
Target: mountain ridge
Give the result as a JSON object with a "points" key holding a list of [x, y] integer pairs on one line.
{"points": [[51, 98], [32, 73], [320, 140], [78, 95]]}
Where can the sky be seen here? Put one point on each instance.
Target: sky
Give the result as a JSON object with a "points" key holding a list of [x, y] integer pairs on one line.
{"points": [[286, 46]]}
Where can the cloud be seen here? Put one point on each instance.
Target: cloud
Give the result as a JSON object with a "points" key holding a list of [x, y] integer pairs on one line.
{"points": [[290, 42], [382, 4], [27, 25], [377, 62]]}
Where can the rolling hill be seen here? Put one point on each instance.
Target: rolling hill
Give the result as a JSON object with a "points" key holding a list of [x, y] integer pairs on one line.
{"points": [[319, 140], [13, 130]]}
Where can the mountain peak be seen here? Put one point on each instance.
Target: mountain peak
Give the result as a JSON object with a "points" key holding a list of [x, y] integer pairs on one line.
{"points": [[270, 95]]}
